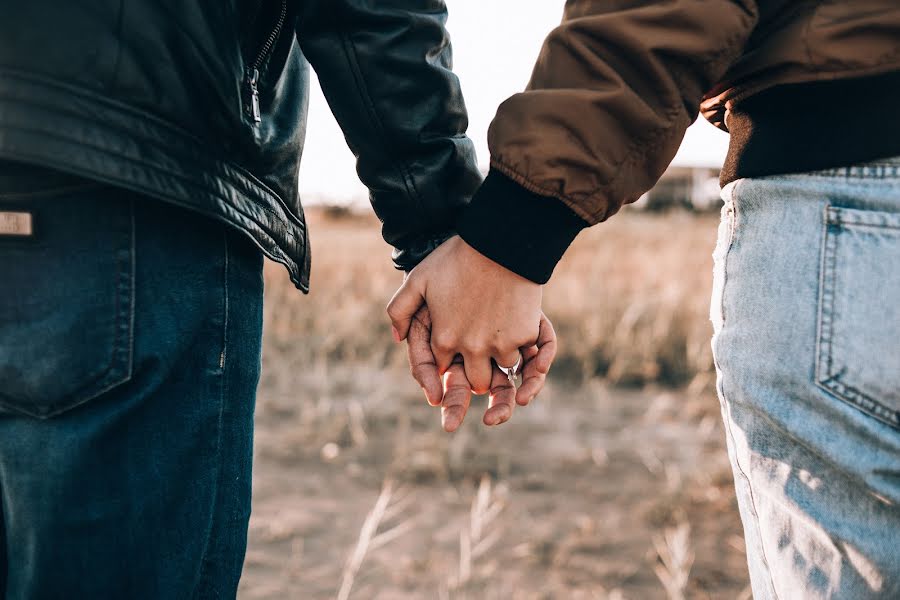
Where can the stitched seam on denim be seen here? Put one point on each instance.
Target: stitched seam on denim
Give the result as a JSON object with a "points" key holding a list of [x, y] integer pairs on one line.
{"points": [[861, 400], [826, 378], [871, 171], [727, 416], [224, 355], [826, 299], [133, 298], [223, 394], [850, 218]]}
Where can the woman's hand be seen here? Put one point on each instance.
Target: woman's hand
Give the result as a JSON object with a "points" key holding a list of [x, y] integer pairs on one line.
{"points": [[479, 310], [453, 392]]}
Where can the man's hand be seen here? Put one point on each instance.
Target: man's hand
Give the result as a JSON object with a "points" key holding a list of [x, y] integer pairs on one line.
{"points": [[455, 394], [479, 310]]}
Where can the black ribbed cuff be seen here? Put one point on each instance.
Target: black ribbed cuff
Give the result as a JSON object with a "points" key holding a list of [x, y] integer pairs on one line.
{"points": [[413, 253], [525, 232]]}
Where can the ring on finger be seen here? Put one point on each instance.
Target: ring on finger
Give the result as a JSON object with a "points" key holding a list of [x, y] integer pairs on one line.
{"points": [[513, 371]]}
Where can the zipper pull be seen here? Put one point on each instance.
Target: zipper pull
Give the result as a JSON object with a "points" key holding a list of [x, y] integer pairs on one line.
{"points": [[254, 95]]}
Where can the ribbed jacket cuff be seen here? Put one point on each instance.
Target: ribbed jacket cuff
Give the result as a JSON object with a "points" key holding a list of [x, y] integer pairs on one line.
{"points": [[525, 232]]}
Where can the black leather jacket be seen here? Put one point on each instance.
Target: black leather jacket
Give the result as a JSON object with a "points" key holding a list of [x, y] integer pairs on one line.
{"points": [[203, 103]]}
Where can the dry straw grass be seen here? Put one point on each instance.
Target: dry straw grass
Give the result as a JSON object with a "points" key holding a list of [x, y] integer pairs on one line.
{"points": [[628, 301]]}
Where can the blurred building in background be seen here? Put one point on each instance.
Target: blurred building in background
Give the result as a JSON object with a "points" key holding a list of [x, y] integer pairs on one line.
{"points": [[693, 188]]}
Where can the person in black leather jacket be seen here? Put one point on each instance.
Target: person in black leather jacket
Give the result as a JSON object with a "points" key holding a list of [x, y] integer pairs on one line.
{"points": [[203, 105], [149, 157]]}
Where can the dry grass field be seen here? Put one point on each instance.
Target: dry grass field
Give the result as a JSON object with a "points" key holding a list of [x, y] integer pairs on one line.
{"points": [[613, 484]]}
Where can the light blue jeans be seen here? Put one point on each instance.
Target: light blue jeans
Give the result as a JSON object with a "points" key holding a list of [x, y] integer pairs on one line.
{"points": [[806, 314]]}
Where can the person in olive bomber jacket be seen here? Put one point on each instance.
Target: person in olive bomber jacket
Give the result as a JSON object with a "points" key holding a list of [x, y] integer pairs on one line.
{"points": [[806, 303]]}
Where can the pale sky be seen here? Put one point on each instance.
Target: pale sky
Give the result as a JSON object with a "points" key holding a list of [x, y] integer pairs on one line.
{"points": [[495, 44]]}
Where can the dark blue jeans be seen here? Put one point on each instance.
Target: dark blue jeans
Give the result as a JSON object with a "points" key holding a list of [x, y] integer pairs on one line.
{"points": [[130, 337]]}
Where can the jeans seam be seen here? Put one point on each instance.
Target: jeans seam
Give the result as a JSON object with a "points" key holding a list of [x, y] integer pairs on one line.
{"points": [[224, 355], [826, 301], [726, 415], [223, 394]]}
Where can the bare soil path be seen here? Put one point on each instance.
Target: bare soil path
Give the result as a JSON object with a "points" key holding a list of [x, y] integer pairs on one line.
{"points": [[589, 493]]}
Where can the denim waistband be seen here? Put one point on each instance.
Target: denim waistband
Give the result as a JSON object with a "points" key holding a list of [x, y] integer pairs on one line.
{"points": [[883, 168]]}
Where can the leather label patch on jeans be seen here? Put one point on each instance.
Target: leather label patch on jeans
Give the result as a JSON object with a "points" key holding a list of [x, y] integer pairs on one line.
{"points": [[16, 224]]}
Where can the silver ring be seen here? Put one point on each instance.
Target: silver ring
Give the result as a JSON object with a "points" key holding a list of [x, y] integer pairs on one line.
{"points": [[513, 370]]}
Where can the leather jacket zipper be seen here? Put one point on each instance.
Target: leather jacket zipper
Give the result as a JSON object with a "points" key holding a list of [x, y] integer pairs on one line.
{"points": [[261, 56]]}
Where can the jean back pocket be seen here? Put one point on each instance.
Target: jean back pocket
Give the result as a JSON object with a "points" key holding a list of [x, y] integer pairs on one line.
{"points": [[858, 354], [66, 299]]}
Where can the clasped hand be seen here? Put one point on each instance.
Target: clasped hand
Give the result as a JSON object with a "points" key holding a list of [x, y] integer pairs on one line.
{"points": [[462, 315]]}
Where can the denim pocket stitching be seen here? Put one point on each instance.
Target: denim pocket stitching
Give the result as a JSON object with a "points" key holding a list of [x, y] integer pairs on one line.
{"points": [[826, 378], [122, 345]]}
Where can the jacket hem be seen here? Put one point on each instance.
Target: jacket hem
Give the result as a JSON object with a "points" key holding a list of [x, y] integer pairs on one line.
{"points": [[76, 131]]}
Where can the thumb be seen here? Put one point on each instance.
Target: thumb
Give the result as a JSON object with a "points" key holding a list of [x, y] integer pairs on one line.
{"points": [[404, 304]]}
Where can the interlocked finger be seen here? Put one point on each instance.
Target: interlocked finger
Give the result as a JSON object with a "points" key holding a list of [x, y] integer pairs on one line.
{"points": [[502, 399], [538, 360], [421, 360], [457, 397]]}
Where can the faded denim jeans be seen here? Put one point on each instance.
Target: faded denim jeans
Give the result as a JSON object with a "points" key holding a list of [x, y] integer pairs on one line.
{"points": [[806, 313], [130, 335]]}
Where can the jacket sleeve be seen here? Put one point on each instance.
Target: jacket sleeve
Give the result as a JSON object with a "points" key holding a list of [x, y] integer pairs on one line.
{"points": [[385, 69], [613, 91]]}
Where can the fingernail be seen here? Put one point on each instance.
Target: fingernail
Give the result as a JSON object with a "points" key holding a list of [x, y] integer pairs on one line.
{"points": [[395, 333], [496, 418]]}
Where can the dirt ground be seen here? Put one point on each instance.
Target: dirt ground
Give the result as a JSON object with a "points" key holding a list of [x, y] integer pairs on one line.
{"points": [[589, 493]]}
